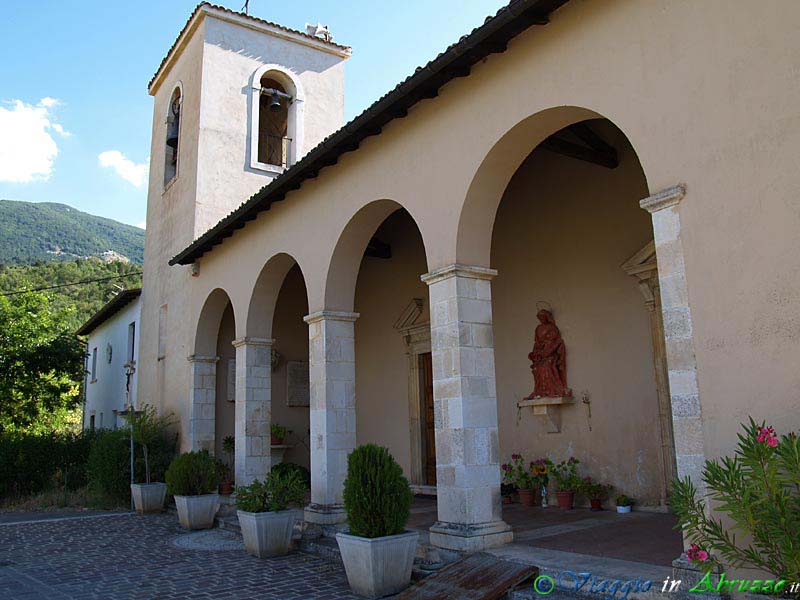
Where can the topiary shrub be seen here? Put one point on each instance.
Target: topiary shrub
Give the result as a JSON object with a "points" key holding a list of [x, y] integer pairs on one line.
{"points": [[192, 474], [377, 496]]}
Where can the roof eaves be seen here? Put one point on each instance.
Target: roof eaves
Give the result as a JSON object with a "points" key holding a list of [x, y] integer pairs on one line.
{"points": [[208, 7], [109, 309]]}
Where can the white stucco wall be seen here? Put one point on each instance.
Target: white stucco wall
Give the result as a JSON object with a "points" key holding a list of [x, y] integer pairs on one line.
{"points": [[106, 393]]}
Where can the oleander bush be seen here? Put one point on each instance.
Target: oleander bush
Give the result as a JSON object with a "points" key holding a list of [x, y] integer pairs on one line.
{"points": [[305, 474], [758, 492], [377, 496]]}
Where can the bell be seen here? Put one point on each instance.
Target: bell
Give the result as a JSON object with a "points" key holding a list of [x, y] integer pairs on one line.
{"points": [[274, 103], [172, 134], [173, 126]]}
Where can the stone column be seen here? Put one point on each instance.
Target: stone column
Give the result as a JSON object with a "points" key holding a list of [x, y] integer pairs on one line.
{"points": [[465, 408], [202, 402], [687, 420], [253, 408], [332, 379]]}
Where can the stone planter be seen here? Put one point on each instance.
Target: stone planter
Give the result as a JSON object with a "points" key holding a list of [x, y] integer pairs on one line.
{"points": [[197, 512], [623, 509], [267, 533], [378, 567], [565, 500], [148, 497]]}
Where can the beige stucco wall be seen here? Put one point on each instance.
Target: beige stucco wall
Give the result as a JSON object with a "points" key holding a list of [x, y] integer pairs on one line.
{"points": [[562, 231], [706, 93]]}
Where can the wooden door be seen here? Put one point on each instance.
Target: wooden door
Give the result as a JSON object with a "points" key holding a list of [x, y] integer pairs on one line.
{"points": [[426, 380]]}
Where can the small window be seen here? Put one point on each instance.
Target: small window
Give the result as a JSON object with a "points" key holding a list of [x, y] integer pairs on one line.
{"points": [[172, 140], [274, 144], [91, 422], [162, 332], [94, 365], [131, 342]]}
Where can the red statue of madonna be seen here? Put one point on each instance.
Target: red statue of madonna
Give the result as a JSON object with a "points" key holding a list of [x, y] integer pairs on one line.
{"points": [[548, 360]]}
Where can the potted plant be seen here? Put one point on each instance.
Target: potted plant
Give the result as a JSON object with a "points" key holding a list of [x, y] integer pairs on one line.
{"points": [[277, 434], [520, 475], [507, 491], [146, 428], [624, 503], [378, 553], [228, 448], [567, 481], [193, 479], [596, 492], [263, 509]]}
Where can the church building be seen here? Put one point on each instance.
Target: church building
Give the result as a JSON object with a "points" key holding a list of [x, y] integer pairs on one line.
{"points": [[603, 195]]}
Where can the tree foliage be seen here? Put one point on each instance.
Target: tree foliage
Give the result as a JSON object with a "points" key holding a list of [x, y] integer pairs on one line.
{"points": [[41, 361], [758, 489]]}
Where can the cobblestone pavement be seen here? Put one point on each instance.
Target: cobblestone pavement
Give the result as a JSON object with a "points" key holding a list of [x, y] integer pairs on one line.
{"points": [[133, 557]]}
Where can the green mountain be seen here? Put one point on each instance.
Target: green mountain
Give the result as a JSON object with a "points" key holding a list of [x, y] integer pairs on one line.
{"points": [[44, 231]]}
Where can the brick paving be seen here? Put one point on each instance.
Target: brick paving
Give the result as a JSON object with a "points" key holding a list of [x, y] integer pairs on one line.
{"points": [[128, 556]]}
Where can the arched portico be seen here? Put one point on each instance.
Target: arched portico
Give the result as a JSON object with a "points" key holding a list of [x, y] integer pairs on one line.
{"points": [[204, 359], [254, 366]]}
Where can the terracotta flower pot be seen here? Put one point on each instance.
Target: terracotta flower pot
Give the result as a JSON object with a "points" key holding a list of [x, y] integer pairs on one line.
{"points": [[226, 488], [506, 499], [597, 504], [527, 497], [274, 441], [565, 500]]}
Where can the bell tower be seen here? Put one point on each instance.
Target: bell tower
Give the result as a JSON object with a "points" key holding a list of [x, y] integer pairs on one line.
{"points": [[237, 101]]}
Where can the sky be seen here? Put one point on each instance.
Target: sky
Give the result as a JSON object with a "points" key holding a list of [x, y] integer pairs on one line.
{"points": [[75, 115]]}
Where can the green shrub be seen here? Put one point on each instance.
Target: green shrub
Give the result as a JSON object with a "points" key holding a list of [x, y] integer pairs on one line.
{"points": [[192, 474], [623, 500], [108, 466], [31, 464], [278, 491], [377, 496], [148, 430], [304, 473], [758, 491]]}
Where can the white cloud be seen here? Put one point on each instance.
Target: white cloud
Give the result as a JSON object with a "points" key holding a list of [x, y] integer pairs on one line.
{"points": [[135, 173], [27, 149]]}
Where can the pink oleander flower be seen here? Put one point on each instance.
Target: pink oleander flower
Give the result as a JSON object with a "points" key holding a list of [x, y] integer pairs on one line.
{"points": [[767, 435], [695, 554], [514, 456]]}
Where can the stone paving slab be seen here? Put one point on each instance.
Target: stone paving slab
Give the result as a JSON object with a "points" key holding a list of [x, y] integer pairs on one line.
{"points": [[132, 557]]}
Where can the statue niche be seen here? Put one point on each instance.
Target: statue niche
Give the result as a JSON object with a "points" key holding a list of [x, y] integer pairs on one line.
{"points": [[548, 360]]}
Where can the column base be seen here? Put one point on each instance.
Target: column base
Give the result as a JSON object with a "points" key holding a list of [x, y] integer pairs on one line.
{"points": [[325, 514], [470, 538]]}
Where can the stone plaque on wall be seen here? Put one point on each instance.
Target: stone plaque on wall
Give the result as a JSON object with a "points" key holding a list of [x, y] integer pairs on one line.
{"points": [[231, 395], [297, 392]]}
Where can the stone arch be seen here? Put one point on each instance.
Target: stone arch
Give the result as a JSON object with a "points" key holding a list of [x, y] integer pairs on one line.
{"points": [[476, 221], [205, 341], [264, 297], [342, 273]]}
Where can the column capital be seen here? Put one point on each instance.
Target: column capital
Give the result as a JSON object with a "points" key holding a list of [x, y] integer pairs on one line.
{"points": [[664, 199], [458, 270], [202, 359], [331, 315], [250, 341]]}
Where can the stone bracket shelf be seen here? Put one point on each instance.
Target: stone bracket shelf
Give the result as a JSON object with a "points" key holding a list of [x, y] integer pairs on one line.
{"points": [[549, 408], [277, 451]]}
